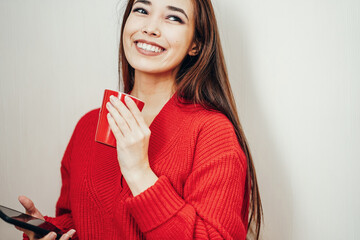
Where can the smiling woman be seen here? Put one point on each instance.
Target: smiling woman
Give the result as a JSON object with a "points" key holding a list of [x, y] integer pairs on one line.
{"points": [[181, 168], [157, 36]]}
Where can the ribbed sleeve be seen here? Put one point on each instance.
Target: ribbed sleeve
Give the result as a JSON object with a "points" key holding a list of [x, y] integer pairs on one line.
{"points": [[63, 219], [156, 205]]}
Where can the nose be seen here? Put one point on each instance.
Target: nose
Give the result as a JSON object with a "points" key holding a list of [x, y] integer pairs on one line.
{"points": [[152, 29]]}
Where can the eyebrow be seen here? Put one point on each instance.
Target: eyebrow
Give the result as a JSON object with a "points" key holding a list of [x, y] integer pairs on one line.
{"points": [[176, 9], [146, 2], [172, 8]]}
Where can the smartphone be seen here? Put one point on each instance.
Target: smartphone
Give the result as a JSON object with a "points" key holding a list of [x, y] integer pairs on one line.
{"points": [[36, 225]]}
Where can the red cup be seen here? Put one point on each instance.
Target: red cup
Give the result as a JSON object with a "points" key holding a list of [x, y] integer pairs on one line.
{"points": [[103, 131]]}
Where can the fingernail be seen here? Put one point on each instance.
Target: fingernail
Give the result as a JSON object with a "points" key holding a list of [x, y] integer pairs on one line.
{"points": [[112, 98], [53, 235], [71, 232]]}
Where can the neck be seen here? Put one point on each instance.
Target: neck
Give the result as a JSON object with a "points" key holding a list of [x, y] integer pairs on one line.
{"points": [[155, 90]]}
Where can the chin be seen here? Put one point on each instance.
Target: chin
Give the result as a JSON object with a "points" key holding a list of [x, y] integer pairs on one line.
{"points": [[151, 68]]}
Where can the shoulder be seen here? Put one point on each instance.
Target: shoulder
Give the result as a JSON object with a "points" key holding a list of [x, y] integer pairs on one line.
{"points": [[92, 115], [216, 128], [208, 121], [209, 126], [217, 140], [202, 114], [215, 120], [88, 121], [83, 133]]}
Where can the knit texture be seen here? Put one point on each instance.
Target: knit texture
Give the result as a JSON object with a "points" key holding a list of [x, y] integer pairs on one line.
{"points": [[199, 194]]}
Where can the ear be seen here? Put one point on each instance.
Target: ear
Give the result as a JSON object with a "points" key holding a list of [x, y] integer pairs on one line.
{"points": [[194, 49]]}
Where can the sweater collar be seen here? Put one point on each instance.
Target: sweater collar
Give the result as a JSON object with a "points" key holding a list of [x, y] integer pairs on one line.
{"points": [[165, 127]]}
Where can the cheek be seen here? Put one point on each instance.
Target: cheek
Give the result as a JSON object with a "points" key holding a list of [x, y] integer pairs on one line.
{"points": [[179, 39], [130, 28]]}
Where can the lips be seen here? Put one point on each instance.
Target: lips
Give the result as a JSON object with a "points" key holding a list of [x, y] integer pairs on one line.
{"points": [[150, 47]]}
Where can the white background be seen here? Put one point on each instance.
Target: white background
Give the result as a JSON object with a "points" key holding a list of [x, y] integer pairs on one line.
{"points": [[295, 72]]}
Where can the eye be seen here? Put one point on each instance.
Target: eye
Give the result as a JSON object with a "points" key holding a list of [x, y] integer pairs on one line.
{"points": [[175, 18], [140, 10]]}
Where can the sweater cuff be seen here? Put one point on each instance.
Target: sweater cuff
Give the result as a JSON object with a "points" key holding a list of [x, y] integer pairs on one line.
{"points": [[59, 223], [49, 219], [155, 205], [52, 221]]}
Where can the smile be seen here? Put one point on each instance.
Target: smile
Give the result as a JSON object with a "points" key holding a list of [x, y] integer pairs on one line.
{"points": [[148, 47]]}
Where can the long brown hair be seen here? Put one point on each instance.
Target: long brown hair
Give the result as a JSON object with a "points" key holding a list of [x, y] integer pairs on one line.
{"points": [[203, 79]]}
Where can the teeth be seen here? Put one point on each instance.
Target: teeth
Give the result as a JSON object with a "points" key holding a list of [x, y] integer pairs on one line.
{"points": [[149, 47]]}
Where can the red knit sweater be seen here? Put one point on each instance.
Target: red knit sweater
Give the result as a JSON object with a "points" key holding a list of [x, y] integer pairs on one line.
{"points": [[199, 194]]}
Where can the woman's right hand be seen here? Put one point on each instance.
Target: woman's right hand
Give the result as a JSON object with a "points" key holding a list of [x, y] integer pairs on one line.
{"points": [[33, 211]]}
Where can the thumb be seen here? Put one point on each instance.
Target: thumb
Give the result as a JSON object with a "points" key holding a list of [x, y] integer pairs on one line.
{"points": [[28, 205]]}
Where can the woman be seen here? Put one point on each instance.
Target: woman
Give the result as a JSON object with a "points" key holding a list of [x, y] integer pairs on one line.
{"points": [[181, 168]]}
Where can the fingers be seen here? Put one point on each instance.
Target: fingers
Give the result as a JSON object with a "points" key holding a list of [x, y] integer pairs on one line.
{"points": [[66, 236], [135, 111], [124, 116], [27, 204], [30, 207], [28, 233], [119, 120], [121, 114], [114, 127], [144, 129], [50, 236]]}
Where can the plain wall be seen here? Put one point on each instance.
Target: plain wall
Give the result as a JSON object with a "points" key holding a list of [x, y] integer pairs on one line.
{"points": [[295, 71]]}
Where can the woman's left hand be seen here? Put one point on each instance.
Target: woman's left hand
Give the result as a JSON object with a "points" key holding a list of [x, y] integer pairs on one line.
{"points": [[132, 136]]}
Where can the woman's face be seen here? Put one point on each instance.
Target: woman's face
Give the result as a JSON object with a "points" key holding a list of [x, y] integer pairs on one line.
{"points": [[158, 34]]}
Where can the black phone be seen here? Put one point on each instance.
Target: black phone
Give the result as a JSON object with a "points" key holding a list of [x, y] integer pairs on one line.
{"points": [[38, 226]]}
